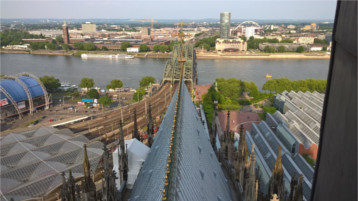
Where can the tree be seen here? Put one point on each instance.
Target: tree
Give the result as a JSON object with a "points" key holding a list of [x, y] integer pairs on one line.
{"points": [[115, 83], [146, 81], [65, 47], [89, 46], [78, 46], [50, 82], [138, 95], [281, 49], [143, 48], [243, 38], [324, 49], [125, 45], [51, 46], [93, 93], [205, 46], [59, 39], [300, 49], [104, 48], [319, 41], [37, 46], [164, 48], [156, 48], [86, 83], [105, 100], [270, 49]]}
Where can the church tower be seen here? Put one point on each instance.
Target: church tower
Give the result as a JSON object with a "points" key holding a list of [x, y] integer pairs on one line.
{"points": [[65, 34]]}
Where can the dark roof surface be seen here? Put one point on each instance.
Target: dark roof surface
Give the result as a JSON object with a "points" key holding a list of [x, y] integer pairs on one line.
{"points": [[196, 173]]}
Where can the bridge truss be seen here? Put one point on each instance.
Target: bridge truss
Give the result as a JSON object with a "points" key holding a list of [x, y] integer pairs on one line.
{"points": [[172, 68]]}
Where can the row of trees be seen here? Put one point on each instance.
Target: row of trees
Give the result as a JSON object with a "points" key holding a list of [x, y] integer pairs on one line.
{"points": [[14, 37], [253, 43], [284, 84], [271, 49]]}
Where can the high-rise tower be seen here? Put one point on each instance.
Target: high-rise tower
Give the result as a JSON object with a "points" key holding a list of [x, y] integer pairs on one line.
{"points": [[225, 21], [65, 35]]}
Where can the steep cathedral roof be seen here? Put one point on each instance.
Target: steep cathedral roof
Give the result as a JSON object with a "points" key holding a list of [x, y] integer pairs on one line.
{"points": [[196, 173]]}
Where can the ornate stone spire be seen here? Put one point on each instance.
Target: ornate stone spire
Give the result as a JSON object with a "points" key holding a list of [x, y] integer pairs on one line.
{"points": [[228, 124], [122, 156], [71, 186], [135, 127], [250, 186], [86, 164], [121, 138], [106, 175], [297, 191], [121, 152], [276, 181], [88, 186], [150, 127], [243, 161], [278, 163], [64, 192], [293, 186]]}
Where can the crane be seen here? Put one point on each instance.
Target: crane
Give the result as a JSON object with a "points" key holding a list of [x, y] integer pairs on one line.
{"points": [[151, 27]]}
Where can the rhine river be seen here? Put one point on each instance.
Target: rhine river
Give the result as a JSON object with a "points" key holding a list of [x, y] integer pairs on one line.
{"points": [[72, 69]]}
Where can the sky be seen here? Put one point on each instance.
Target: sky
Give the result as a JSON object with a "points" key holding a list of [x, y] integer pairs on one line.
{"points": [[169, 9]]}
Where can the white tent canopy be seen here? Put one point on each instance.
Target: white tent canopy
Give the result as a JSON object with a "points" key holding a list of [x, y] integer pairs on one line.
{"points": [[137, 153]]}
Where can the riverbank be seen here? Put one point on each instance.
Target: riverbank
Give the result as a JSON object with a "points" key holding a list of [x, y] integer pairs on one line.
{"points": [[199, 55], [262, 56], [39, 52]]}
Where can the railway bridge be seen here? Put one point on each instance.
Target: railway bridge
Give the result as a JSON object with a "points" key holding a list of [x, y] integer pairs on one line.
{"points": [[172, 69]]}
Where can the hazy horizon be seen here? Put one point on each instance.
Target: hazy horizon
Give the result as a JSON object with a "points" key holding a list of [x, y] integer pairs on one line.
{"points": [[168, 10]]}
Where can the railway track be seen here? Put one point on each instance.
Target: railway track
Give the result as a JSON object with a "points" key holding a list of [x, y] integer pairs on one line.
{"points": [[104, 126]]}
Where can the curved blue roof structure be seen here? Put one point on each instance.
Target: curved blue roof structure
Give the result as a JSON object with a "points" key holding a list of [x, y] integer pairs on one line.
{"points": [[33, 86], [14, 89], [17, 92]]}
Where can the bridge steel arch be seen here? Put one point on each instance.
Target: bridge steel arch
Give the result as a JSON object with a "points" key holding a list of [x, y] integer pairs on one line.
{"points": [[24, 86], [11, 100], [246, 22], [47, 100]]}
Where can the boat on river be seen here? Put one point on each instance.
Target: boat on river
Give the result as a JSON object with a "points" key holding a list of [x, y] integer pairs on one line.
{"points": [[268, 76]]}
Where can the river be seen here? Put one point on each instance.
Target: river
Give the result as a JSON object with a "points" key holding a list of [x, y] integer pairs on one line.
{"points": [[130, 71]]}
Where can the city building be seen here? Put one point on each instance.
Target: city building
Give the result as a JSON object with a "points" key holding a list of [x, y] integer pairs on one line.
{"points": [[22, 93], [145, 31], [230, 45], [291, 26], [225, 22], [89, 27], [311, 27], [304, 40], [65, 34]]}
